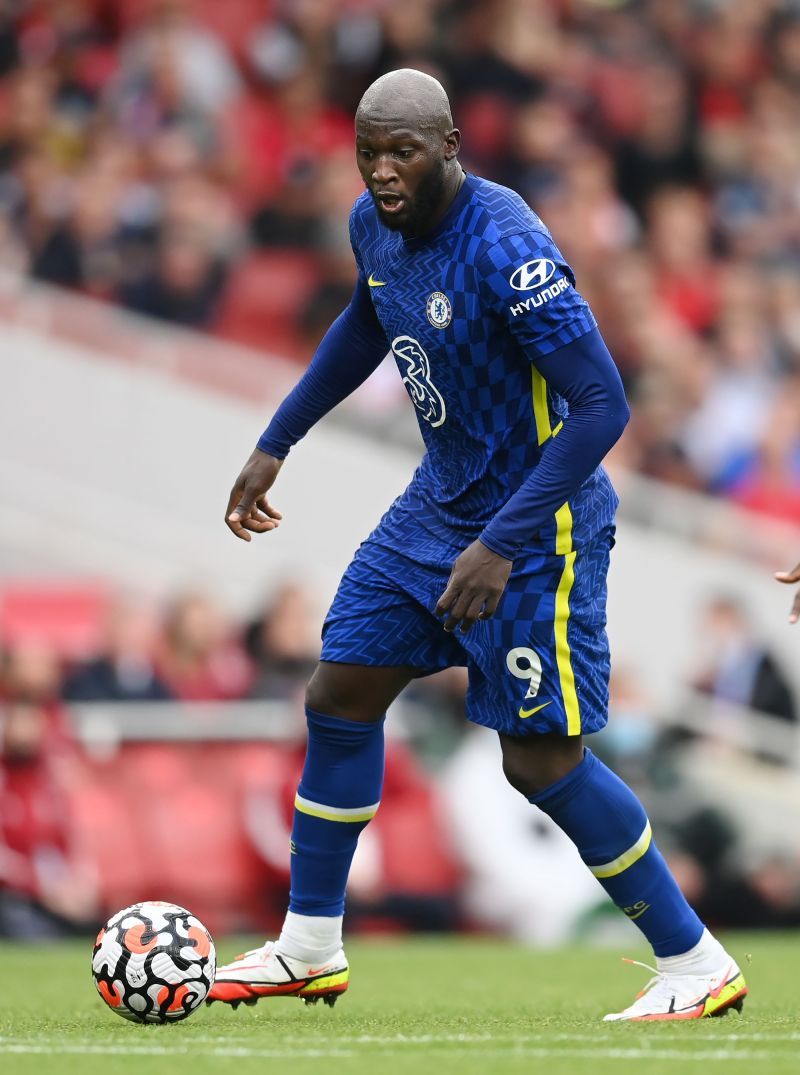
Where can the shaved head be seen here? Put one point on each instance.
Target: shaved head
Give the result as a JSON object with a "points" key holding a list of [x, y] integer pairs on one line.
{"points": [[407, 98], [407, 149]]}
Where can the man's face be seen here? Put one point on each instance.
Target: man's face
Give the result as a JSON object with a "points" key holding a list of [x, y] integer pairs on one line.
{"points": [[404, 171]]}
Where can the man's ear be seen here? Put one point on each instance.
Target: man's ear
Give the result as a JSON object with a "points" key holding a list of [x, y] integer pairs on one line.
{"points": [[452, 144]]}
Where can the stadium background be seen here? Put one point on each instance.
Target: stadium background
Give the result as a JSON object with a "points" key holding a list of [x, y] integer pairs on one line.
{"points": [[175, 179]]}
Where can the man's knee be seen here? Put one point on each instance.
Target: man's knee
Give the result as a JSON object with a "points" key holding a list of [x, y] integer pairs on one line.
{"points": [[354, 692], [328, 692], [534, 764], [518, 776]]}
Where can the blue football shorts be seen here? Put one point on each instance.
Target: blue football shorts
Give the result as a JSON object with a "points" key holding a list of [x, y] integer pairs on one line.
{"points": [[540, 664]]}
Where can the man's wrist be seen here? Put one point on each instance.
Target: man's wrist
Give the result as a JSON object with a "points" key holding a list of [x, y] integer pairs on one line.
{"points": [[499, 548]]}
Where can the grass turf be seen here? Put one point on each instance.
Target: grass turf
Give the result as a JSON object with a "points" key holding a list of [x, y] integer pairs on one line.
{"points": [[443, 1006]]}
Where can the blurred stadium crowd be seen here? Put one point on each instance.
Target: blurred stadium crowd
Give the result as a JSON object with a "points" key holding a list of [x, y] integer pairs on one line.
{"points": [[193, 161]]}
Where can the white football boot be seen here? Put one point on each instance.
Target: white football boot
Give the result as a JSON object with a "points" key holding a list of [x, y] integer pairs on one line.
{"points": [[685, 996], [263, 972]]}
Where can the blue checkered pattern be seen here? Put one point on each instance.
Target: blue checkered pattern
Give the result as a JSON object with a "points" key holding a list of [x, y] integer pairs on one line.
{"points": [[383, 614], [471, 379]]}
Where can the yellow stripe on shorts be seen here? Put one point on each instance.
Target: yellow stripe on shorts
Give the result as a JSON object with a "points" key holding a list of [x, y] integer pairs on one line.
{"points": [[335, 813], [627, 858]]}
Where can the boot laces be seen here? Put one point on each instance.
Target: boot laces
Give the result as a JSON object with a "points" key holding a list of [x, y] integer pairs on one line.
{"points": [[654, 981]]}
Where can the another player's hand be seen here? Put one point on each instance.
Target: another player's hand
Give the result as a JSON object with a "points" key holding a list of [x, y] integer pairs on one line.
{"points": [[791, 577], [248, 509], [476, 584]]}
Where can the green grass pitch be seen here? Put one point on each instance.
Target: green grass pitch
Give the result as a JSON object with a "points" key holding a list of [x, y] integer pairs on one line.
{"points": [[445, 1006]]}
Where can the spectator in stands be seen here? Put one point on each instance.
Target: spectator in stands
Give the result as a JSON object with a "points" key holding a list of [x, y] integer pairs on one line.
{"points": [[47, 887], [737, 667], [283, 642], [205, 73], [765, 895], [630, 741], [767, 479], [125, 671], [659, 140], [31, 675], [30, 672], [185, 285], [198, 659]]}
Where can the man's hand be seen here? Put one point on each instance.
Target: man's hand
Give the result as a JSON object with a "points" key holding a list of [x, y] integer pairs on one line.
{"points": [[476, 585], [247, 505], [790, 577]]}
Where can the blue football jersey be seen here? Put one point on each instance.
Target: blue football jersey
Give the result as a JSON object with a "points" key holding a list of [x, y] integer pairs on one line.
{"points": [[466, 310]]}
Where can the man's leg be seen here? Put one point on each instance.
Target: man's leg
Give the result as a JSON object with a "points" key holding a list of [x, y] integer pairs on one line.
{"points": [[339, 793], [609, 826]]}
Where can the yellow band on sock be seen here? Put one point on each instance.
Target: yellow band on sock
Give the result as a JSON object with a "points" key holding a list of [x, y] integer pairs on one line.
{"points": [[335, 813], [627, 858]]}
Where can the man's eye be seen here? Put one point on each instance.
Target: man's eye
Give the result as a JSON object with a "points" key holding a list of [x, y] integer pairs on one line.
{"points": [[405, 153]]}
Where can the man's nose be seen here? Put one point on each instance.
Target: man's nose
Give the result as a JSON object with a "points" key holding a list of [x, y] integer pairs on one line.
{"points": [[383, 170]]}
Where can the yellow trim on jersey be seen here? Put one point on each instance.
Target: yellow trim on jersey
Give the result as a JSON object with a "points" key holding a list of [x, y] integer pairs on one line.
{"points": [[627, 858], [563, 655], [541, 412], [335, 813]]}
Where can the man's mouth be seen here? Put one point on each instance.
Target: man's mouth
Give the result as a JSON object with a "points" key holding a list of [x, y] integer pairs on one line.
{"points": [[389, 202]]}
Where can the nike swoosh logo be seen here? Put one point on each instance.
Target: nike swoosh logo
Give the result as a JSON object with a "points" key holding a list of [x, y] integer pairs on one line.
{"points": [[715, 993], [319, 970], [529, 712], [375, 283]]}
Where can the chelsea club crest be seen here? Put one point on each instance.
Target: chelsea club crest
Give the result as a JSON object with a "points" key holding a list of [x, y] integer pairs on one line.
{"points": [[439, 310]]}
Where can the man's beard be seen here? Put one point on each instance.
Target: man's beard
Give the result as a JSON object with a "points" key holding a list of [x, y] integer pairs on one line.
{"points": [[421, 211]]}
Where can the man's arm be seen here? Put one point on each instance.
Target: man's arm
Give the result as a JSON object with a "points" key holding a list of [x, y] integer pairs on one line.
{"points": [[352, 349], [584, 373], [559, 336]]}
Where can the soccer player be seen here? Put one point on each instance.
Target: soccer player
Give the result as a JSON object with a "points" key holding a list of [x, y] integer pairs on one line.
{"points": [[494, 557]]}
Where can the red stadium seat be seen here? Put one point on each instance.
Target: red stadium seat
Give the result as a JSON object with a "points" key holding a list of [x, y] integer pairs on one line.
{"points": [[67, 618], [166, 821], [234, 23], [264, 298], [112, 827]]}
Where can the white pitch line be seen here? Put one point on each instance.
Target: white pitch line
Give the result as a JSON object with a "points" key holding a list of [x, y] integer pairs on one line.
{"points": [[156, 1050], [706, 1056], [690, 1035], [540, 1053], [312, 1039]]}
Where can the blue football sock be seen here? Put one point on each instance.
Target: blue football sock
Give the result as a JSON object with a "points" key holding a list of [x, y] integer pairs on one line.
{"points": [[608, 825], [339, 793]]}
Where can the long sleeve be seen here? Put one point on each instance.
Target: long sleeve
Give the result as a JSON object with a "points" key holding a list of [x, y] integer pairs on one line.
{"points": [[584, 373], [352, 348], [531, 288]]}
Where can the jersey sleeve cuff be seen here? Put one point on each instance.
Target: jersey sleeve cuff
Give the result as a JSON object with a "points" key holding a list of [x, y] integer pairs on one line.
{"points": [[271, 447], [500, 548]]}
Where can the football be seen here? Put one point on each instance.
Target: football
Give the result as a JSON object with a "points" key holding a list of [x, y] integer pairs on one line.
{"points": [[154, 962]]}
